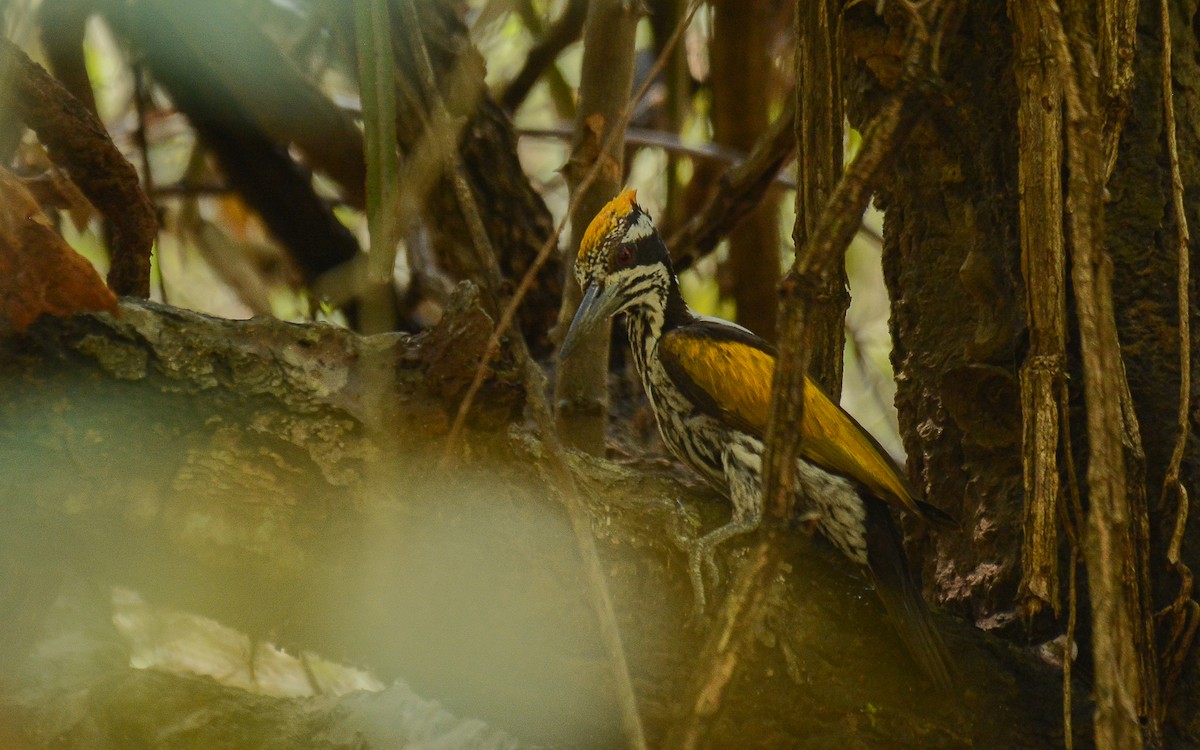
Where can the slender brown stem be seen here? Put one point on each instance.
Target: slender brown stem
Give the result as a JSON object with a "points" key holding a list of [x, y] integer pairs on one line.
{"points": [[1069, 647], [1184, 609], [1072, 513], [1182, 245], [1126, 670], [1043, 268], [840, 216], [605, 82], [819, 146]]}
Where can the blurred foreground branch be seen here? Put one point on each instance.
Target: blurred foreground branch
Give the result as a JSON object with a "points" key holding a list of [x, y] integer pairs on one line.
{"points": [[126, 707]]}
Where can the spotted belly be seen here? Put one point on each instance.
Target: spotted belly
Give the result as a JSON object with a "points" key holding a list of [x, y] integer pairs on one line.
{"points": [[693, 437]]}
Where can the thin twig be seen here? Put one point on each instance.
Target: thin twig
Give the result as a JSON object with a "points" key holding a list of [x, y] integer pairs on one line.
{"points": [[647, 138], [142, 139], [1073, 523], [140, 136], [1182, 245], [741, 189], [874, 378], [506, 318], [1069, 648]]}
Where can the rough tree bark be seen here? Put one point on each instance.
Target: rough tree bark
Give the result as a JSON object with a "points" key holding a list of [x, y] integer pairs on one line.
{"points": [[951, 235], [275, 477], [1043, 267], [951, 264], [1140, 236]]}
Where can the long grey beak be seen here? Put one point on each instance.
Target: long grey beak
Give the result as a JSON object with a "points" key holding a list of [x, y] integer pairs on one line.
{"points": [[597, 306]]}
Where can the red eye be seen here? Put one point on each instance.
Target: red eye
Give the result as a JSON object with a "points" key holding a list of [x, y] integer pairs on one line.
{"points": [[624, 256]]}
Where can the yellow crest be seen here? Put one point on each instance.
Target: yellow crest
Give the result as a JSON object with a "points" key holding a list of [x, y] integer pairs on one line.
{"points": [[606, 220]]}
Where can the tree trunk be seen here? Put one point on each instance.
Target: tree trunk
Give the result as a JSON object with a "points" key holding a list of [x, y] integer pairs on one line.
{"points": [[581, 390], [742, 52], [951, 265], [951, 259], [819, 135]]}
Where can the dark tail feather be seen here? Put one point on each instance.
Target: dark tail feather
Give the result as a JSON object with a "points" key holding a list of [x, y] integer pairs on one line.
{"points": [[901, 595], [937, 516]]}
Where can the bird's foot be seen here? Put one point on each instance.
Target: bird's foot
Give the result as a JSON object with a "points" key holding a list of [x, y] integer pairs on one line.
{"points": [[710, 565], [696, 574], [701, 553], [701, 559], [683, 528]]}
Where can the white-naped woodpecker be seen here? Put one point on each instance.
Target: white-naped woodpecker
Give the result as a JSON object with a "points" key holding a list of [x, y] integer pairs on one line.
{"points": [[709, 385]]}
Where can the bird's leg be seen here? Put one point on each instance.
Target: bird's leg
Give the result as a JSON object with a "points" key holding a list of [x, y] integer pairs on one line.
{"points": [[742, 465], [703, 554], [685, 539], [695, 565]]}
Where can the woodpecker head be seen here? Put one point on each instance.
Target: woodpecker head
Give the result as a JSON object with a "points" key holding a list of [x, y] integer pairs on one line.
{"points": [[622, 264]]}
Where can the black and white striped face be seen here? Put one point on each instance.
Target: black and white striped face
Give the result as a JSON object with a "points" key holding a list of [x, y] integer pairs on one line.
{"points": [[623, 251], [622, 264]]}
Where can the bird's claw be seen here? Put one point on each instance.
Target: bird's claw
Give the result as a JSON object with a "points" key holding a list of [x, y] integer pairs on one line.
{"points": [[701, 559], [710, 564], [696, 574]]}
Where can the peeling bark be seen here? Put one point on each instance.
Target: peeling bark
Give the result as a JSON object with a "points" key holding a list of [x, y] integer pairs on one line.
{"points": [[951, 263], [952, 210]]}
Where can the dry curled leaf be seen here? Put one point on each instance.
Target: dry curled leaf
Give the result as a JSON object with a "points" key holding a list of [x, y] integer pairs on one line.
{"points": [[587, 151], [39, 272], [53, 188]]}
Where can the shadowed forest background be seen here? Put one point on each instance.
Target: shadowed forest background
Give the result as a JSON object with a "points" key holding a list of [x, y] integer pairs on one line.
{"points": [[287, 457]]}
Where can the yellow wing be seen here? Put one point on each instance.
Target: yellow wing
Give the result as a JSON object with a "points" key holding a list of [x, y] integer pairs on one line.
{"points": [[726, 371]]}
